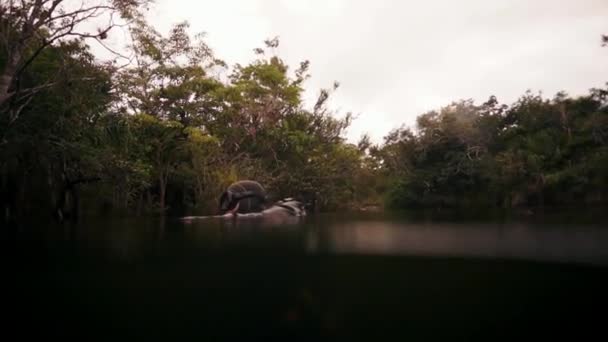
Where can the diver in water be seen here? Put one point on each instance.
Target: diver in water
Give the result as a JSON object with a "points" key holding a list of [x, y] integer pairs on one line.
{"points": [[243, 197], [248, 198]]}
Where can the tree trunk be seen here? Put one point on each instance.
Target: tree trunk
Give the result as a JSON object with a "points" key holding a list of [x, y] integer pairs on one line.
{"points": [[163, 187], [140, 203], [149, 200], [7, 76], [126, 199], [21, 204], [199, 192], [9, 197], [75, 211], [59, 208]]}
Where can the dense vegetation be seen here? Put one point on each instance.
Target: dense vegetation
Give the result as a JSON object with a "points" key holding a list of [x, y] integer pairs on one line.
{"points": [[536, 152], [166, 132]]}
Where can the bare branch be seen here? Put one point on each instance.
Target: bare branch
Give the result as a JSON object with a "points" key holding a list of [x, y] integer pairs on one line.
{"points": [[75, 13], [98, 40], [35, 13], [32, 57], [21, 28], [14, 113]]}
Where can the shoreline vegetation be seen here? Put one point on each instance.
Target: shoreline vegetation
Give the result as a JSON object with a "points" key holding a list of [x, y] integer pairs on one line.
{"points": [[165, 135]]}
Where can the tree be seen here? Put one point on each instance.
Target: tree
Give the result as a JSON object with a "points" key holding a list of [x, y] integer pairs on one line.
{"points": [[170, 78], [47, 155], [162, 140], [27, 28]]}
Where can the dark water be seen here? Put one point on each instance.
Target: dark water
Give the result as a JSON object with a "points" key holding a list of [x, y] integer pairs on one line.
{"points": [[330, 277]]}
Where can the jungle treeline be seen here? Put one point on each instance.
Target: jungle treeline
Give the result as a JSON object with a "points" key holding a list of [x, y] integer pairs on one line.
{"points": [[168, 125]]}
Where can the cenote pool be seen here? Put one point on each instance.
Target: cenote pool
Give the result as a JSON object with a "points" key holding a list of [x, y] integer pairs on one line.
{"points": [[364, 277]]}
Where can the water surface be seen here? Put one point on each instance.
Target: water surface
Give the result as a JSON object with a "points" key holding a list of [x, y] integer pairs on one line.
{"points": [[358, 277]]}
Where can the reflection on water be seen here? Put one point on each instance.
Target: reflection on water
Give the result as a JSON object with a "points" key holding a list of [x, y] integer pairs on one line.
{"points": [[521, 241], [335, 277], [337, 235]]}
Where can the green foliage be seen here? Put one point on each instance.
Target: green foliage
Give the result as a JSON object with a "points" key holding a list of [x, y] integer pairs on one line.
{"points": [[164, 135], [536, 152], [167, 133]]}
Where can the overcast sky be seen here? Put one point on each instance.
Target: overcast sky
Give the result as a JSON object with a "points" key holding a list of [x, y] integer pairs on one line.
{"points": [[397, 59]]}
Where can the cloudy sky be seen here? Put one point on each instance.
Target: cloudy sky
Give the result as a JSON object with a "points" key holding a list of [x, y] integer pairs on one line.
{"points": [[397, 59]]}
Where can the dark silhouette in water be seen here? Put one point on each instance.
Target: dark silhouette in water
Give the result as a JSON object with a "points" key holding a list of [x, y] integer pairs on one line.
{"points": [[247, 199], [243, 197]]}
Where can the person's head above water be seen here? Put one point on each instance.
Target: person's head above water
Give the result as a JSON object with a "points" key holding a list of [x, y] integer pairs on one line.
{"points": [[243, 197]]}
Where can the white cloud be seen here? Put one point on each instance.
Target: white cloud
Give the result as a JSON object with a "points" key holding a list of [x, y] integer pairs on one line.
{"points": [[398, 59]]}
